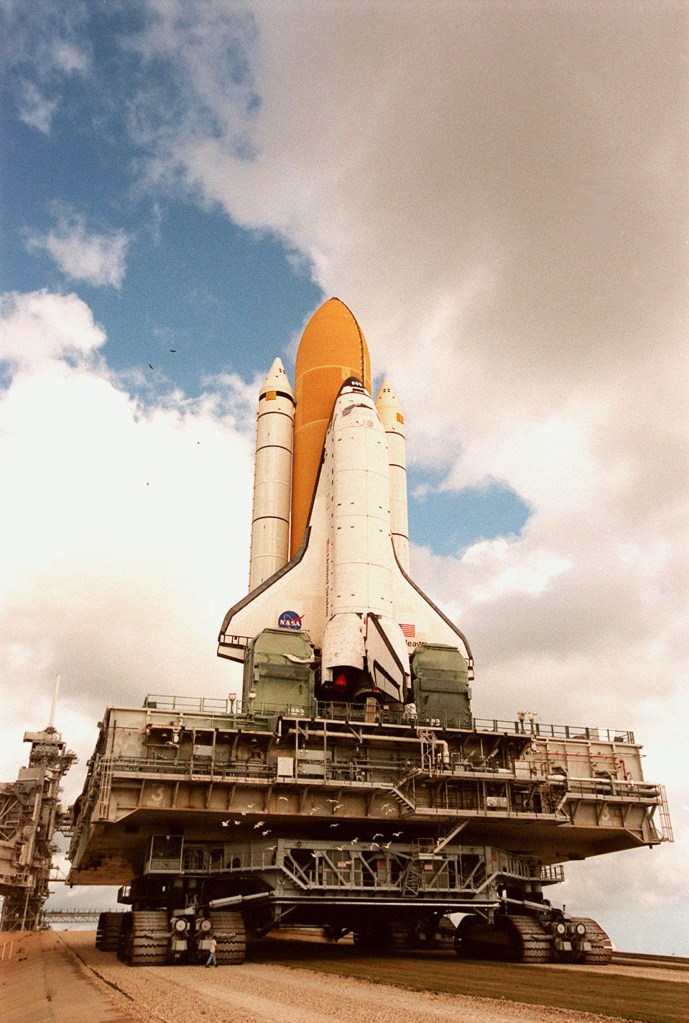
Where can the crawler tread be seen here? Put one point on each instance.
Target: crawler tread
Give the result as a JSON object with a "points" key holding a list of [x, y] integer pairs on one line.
{"points": [[108, 931], [230, 934], [532, 944], [148, 939], [601, 945]]}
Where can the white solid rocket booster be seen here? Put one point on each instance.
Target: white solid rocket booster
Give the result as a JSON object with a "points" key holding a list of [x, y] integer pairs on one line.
{"points": [[272, 476], [392, 418]]}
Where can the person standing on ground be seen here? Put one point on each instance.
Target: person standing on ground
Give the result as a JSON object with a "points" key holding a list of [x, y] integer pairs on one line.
{"points": [[212, 961]]}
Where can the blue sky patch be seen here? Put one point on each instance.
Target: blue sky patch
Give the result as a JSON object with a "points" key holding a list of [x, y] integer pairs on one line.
{"points": [[449, 520]]}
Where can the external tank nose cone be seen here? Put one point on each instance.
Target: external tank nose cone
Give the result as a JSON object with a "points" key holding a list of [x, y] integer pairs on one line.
{"points": [[333, 338]]}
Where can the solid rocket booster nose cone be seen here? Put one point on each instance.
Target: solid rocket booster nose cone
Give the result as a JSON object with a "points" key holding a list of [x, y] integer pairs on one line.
{"points": [[332, 349], [277, 380], [389, 409], [386, 395]]}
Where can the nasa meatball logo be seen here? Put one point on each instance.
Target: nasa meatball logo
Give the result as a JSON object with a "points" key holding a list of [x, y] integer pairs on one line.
{"points": [[290, 620]]}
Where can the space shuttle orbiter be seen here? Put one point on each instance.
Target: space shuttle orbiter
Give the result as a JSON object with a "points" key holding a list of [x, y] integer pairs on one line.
{"points": [[330, 602]]}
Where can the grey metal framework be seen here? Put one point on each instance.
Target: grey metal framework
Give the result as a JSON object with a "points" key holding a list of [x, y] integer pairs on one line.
{"points": [[30, 814], [317, 816]]}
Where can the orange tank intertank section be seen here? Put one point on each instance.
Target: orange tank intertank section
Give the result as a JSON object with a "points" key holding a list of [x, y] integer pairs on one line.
{"points": [[332, 349]]}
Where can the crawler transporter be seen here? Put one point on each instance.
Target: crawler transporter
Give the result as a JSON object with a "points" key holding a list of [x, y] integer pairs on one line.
{"points": [[350, 787], [350, 818]]}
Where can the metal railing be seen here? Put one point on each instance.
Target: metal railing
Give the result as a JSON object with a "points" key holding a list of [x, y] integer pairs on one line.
{"points": [[544, 731], [614, 788], [195, 704], [553, 872], [262, 715]]}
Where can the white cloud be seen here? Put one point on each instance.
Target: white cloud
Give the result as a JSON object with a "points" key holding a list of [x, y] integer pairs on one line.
{"points": [[125, 533], [68, 57], [44, 45], [34, 107], [40, 326], [497, 569], [95, 257]]}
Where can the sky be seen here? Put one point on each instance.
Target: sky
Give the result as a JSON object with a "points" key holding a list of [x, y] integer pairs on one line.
{"points": [[498, 191]]}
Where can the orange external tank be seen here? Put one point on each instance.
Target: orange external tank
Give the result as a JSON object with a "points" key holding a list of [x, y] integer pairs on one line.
{"points": [[332, 348]]}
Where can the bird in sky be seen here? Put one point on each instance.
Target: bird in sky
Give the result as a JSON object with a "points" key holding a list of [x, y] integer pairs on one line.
{"points": [[258, 824], [378, 834], [225, 824], [283, 799], [334, 825], [266, 832], [397, 833]]}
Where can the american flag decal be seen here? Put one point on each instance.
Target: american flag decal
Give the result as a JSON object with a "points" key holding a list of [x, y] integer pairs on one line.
{"points": [[408, 630]]}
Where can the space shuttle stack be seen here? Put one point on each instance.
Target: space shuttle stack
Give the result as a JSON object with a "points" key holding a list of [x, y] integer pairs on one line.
{"points": [[329, 538]]}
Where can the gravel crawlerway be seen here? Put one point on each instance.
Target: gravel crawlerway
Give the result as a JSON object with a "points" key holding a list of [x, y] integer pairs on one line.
{"points": [[264, 993]]}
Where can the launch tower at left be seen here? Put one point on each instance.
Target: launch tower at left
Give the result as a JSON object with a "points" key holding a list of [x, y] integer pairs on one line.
{"points": [[30, 814]]}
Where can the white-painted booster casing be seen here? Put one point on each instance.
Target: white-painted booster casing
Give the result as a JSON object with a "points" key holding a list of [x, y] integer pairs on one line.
{"points": [[392, 418], [272, 476]]}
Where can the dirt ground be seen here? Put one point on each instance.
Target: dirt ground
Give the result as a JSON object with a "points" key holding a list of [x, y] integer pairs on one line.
{"points": [[642, 972], [62, 977], [42, 982]]}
